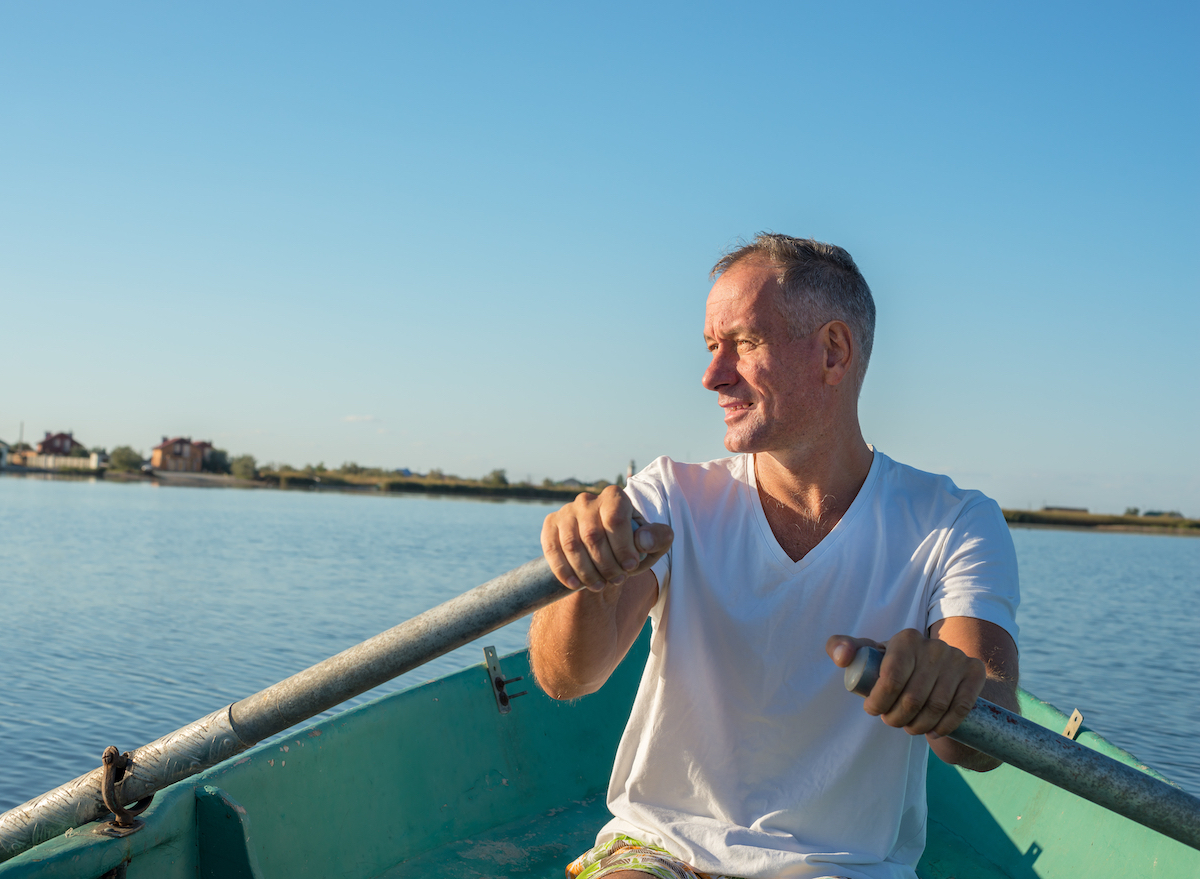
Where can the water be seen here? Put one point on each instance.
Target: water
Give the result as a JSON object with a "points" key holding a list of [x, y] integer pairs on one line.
{"points": [[129, 610], [1110, 624]]}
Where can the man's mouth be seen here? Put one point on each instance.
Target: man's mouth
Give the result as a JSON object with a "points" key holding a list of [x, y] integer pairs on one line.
{"points": [[734, 408]]}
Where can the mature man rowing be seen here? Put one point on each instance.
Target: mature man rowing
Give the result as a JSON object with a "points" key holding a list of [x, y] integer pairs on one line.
{"points": [[762, 574]]}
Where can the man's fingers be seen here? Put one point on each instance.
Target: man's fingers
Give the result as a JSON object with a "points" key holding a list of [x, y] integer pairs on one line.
{"points": [[616, 516], [919, 715], [965, 697], [555, 557], [895, 672], [651, 541], [843, 648], [574, 548], [590, 543], [599, 556]]}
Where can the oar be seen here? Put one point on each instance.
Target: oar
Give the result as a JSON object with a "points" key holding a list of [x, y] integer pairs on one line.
{"points": [[1061, 761], [233, 729]]}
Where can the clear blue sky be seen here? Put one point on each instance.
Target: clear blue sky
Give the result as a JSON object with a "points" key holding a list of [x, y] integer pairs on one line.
{"points": [[472, 236]]}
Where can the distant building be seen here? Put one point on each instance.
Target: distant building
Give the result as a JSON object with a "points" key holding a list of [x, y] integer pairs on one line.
{"points": [[59, 444], [179, 454], [57, 451], [3, 453]]}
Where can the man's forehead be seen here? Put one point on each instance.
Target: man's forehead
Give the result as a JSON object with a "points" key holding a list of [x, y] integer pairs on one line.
{"points": [[746, 280], [741, 297]]}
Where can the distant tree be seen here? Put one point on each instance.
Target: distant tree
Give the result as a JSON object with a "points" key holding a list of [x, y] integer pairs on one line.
{"points": [[350, 468], [600, 485], [547, 482], [98, 450], [124, 458], [496, 477], [216, 461], [243, 467], [78, 452], [1131, 511], [436, 473]]}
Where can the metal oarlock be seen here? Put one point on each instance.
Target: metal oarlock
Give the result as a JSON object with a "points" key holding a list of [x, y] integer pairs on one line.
{"points": [[125, 821]]}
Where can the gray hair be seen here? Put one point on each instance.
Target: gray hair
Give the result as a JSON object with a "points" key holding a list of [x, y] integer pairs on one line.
{"points": [[820, 283]]}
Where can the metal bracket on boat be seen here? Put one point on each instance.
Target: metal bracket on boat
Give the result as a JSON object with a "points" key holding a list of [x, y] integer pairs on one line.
{"points": [[124, 820], [1072, 729], [499, 682]]}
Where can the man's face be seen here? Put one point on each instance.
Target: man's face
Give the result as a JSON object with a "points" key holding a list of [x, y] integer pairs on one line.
{"points": [[767, 382]]}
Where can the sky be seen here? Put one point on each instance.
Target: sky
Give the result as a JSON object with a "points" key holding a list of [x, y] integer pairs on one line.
{"points": [[473, 236]]}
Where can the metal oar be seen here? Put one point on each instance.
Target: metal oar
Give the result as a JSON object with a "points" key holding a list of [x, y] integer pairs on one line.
{"points": [[1060, 761], [233, 729]]}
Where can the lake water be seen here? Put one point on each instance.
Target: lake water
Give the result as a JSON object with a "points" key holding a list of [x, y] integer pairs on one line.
{"points": [[129, 610]]}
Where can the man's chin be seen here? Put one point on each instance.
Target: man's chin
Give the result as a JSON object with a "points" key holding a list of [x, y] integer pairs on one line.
{"points": [[740, 443]]}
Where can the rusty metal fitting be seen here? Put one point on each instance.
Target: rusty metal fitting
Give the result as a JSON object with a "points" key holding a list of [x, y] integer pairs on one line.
{"points": [[115, 765]]}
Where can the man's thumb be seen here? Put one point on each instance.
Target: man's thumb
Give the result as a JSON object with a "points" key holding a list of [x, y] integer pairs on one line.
{"points": [[653, 538]]}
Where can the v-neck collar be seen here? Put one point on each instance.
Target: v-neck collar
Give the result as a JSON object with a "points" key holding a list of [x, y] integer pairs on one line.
{"points": [[860, 501]]}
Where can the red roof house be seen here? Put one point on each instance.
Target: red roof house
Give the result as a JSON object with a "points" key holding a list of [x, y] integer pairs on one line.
{"points": [[59, 444]]}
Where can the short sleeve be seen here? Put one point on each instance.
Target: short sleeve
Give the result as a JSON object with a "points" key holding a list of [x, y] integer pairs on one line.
{"points": [[646, 491], [977, 576]]}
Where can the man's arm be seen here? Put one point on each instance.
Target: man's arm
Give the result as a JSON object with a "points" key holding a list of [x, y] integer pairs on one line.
{"points": [[996, 649], [590, 544], [928, 685]]}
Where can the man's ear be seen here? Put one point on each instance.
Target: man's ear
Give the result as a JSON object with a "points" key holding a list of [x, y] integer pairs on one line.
{"points": [[840, 350]]}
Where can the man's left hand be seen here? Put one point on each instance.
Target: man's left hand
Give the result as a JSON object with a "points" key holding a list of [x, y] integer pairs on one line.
{"points": [[925, 686]]}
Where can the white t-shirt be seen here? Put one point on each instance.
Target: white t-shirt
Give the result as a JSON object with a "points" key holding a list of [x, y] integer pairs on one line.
{"points": [[744, 754]]}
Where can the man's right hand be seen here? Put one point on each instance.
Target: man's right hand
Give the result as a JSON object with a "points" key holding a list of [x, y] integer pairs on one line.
{"points": [[590, 543]]}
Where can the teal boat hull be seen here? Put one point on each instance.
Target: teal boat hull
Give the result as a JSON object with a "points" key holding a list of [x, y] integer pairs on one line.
{"points": [[435, 781]]}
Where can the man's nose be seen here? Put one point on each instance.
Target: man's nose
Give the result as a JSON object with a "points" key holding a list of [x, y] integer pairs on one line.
{"points": [[720, 373]]}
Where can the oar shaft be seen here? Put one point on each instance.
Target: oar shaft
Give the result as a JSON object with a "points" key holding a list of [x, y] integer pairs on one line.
{"points": [[1061, 761], [222, 734], [396, 651]]}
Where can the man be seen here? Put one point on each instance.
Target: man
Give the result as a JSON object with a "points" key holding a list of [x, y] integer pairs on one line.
{"points": [[744, 756]]}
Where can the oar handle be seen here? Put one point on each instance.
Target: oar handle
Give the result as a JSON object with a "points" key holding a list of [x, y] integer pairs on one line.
{"points": [[1060, 761]]}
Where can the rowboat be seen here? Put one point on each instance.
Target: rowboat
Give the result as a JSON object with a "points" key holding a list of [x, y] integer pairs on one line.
{"points": [[458, 777]]}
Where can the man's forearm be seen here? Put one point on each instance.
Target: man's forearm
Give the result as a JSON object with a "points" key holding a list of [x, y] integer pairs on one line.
{"points": [[572, 643]]}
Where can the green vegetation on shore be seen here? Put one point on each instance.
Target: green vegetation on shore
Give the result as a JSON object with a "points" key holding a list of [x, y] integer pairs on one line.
{"points": [[352, 476], [1131, 521]]}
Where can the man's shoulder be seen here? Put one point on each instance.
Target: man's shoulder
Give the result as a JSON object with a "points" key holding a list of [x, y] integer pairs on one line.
{"points": [[669, 474], [935, 493]]}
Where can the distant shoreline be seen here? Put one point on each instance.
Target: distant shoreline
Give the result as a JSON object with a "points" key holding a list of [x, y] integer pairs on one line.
{"points": [[1076, 521], [302, 482]]}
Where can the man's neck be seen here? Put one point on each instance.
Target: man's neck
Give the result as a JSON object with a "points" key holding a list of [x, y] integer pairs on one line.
{"points": [[805, 496]]}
